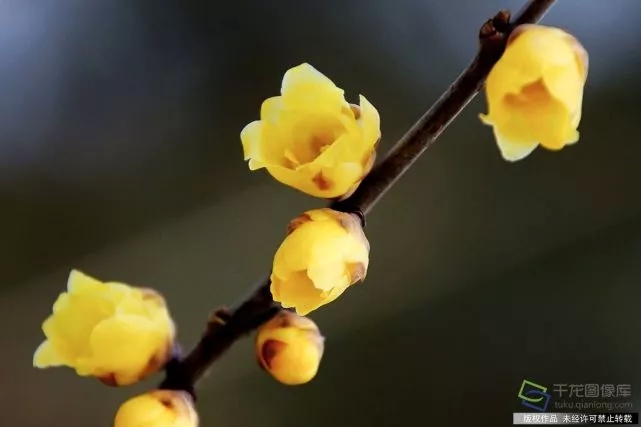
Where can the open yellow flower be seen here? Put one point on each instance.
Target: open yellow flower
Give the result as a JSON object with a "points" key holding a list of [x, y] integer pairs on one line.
{"points": [[535, 91], [324, 253], [112, 331], [158, 408], [310, 138], [290, 348]]}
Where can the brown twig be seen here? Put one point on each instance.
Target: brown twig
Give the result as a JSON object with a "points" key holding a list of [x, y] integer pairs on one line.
{"points": [[227, 326]]}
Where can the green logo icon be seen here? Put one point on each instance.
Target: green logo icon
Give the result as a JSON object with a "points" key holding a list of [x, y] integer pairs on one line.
{"points": [[534, 396]]}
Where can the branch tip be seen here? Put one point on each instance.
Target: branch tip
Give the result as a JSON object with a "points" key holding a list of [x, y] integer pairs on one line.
{"points": [[495, 30]]}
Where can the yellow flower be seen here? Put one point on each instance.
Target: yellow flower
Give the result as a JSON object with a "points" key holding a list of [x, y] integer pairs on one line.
{"points": [[117, 333], [290, 348], [158, 408], [324, 253], [535, 91], [310, 138]]}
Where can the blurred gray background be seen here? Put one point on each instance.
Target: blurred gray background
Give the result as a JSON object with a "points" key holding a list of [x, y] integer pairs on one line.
{"points": [[120, 156]]}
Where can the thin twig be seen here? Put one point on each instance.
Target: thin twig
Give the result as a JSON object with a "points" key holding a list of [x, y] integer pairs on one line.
{"points": [[227, 326]]}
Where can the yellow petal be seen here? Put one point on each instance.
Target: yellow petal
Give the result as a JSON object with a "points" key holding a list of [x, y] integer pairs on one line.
{"points": [[144, 303], [336, 181], [71, 325], [47, 356], [486, 119], [333, 294], [532, 50], [534, 115], [309, 241], [323, 214], [269, 144], [344, 149], [61, 303], [298, 292], [328, 274], [80, 283], [356, 251], [514, 151], [271, 109], [274, 287], [65, 348], [124, 346], [566, 86], [251, 138], [300, 179], [264, 140], [304, 85], [331, 269], [324, 182], [370, 122]]}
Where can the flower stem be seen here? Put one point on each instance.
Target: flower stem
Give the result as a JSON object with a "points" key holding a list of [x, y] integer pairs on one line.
{"points": [[226, 326]]}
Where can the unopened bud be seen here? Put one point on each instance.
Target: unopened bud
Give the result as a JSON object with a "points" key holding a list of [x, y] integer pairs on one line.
{"points": [[290, 347], [158, 408], [324, 253]]}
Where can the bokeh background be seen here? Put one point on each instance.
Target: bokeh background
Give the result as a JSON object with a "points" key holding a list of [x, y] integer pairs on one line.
{"points": [[120, 156]]}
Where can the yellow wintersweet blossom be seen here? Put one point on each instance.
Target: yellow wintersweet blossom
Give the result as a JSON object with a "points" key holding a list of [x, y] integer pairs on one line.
{"points": [[158, 408], [535, 91], [324, 253], [112, 331], [290, 347], [310, 138]]}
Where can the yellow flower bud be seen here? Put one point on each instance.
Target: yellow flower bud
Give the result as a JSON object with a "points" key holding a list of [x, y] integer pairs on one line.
{"points": [[324, 253], [158, 408], [535, 91], [310, 138], [112, 331], [290, 348]]}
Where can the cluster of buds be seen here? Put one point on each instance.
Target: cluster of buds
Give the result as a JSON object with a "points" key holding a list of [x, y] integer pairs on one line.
{"points": [[311, 139]]}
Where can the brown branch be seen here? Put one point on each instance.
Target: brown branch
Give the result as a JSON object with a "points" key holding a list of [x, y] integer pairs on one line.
{"points": [[227, 326]]}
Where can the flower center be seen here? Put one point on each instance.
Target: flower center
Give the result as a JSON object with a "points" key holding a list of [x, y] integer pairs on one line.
{"points": [[302, 153], [533, 94]]}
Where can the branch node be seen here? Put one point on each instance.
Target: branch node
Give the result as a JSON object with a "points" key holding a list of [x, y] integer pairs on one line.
{"points": [[496, 28], [218, 319]]}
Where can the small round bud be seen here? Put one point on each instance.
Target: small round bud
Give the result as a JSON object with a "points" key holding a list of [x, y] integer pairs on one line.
{"points": [[290, 347], [158, 408]]}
